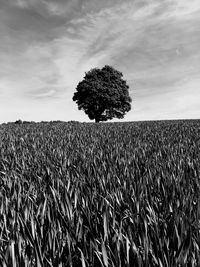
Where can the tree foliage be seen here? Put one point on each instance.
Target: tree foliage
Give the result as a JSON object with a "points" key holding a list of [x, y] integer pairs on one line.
{"points": [[103, 94]]}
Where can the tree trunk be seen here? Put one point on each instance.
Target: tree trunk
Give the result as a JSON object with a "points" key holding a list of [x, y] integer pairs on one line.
{"points": [[97, 120]]}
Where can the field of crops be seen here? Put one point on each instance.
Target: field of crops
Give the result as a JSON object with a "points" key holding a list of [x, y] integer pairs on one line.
{"points": [[114, 194]]}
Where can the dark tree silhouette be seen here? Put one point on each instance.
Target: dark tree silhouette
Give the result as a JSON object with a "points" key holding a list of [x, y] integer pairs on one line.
{"points": [[103, 94]]}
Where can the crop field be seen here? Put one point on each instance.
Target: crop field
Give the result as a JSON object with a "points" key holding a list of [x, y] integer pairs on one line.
{"points": [[107, 194]]}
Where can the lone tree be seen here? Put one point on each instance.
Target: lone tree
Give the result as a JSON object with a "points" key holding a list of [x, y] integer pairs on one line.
{"points": [[103, 94]]}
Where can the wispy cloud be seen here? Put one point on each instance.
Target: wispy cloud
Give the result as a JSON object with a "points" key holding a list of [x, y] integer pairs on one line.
{"points": [[43, 94], [50, 7]]}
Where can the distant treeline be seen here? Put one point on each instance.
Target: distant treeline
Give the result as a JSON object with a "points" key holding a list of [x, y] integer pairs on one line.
{"points": [[29, 122]]}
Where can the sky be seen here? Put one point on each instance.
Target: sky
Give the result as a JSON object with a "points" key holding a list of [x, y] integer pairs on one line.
{"points": [[47, 46]]}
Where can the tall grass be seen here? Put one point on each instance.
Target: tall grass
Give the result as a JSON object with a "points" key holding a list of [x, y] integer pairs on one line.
{"points": [[116, 194]]}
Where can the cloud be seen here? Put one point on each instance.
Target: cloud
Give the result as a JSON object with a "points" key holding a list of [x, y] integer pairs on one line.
{"points": [[140, 39], [50, 7], [45, 94], [183, 8]]}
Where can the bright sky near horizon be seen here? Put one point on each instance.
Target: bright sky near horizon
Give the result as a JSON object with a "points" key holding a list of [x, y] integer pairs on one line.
{"points": [[47, 46]]}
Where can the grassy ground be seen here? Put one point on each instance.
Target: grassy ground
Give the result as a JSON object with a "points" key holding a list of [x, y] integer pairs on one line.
{"points": [[114, 194]]}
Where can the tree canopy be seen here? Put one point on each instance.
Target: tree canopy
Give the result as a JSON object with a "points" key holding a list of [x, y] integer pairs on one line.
{"points": [[103, 94]]}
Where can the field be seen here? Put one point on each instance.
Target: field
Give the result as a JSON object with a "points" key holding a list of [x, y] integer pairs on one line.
{"points": [[107, 194]]}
